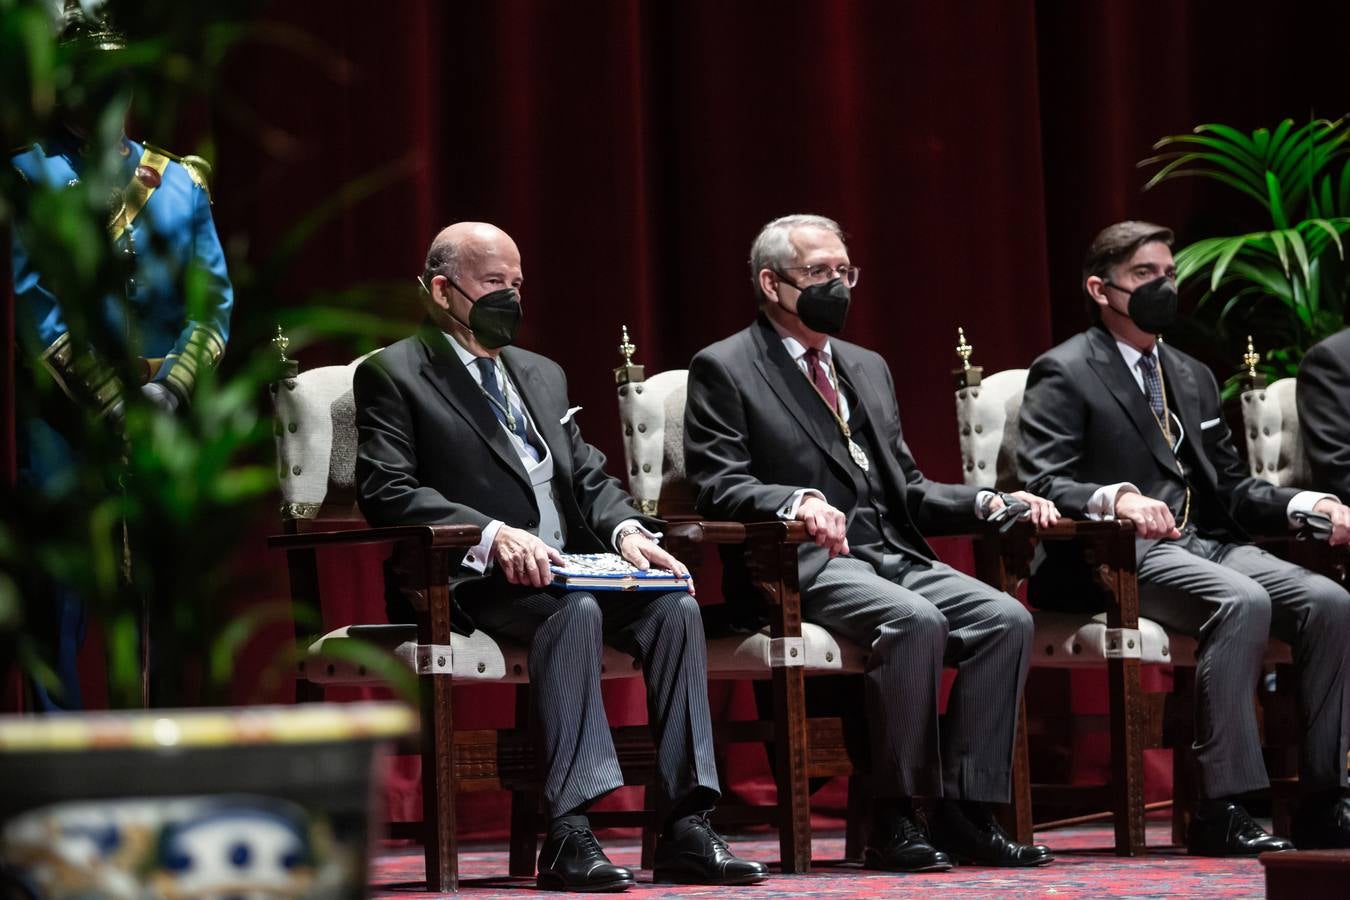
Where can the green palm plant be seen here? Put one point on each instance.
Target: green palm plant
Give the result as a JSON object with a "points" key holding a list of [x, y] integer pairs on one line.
{"points": [[1286, 281]]}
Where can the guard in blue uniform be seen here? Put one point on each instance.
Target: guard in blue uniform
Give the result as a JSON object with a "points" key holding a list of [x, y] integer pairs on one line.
{"points": [[160, 221]]}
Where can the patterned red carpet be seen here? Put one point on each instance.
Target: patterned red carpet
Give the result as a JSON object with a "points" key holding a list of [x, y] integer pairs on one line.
{"points": [[1085, 868]]}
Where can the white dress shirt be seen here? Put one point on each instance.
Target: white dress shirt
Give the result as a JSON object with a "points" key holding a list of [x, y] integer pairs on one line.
{"points": [[1102, 503], [797, 351], [479, 558]]}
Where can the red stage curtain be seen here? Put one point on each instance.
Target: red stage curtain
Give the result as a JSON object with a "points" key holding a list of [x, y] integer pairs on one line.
{"points": [[634, 149]]}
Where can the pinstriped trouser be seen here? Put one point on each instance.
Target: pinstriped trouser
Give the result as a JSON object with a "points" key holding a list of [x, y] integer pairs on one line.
{"points": [[916, 617], [565, 633], [1233, 597]]}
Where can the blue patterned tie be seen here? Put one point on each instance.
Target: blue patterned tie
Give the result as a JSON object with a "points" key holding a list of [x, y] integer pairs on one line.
{"points": [[1148, 365], [494, 390]]}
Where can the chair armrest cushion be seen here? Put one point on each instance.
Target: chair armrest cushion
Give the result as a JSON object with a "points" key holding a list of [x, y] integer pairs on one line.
{"points": [[431, 536]]}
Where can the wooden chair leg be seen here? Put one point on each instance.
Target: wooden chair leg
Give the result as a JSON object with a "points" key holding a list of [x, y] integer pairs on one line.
{"points": [[1127, 755], [440, 782], [794, 797], [650, 824], [524, 846], [1016, 819], [858, 810], [1182, 738]]}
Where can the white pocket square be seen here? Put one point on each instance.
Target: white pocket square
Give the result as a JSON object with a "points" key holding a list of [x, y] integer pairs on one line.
{"points": [[571, 411], [1205, 426]]}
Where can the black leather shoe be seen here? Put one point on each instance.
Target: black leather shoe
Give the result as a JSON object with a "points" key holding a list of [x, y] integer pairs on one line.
{"points": [[898, 844], [970, 833], [571, 860], [691, 852], [1223, 828], [1323, 824]]}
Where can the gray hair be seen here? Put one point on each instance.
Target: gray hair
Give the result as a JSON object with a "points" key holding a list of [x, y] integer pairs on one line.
{"points": [[443, 258], [773, 248]]}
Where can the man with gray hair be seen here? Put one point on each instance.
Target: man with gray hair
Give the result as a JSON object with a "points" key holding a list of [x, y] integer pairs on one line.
{"points": [[785, 421], [456, 426]]}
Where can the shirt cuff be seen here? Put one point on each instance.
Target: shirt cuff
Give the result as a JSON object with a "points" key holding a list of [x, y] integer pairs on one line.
{"points": [[1101, 505], [788, 511], [479, 557], [1303, 502], [631, 523], [981, 499]]}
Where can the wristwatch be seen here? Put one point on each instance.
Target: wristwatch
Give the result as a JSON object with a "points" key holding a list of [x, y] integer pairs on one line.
{"points": [[624, 533]]}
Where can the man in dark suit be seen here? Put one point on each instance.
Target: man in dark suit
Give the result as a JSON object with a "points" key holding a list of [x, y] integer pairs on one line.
{"points": [[784, 421], [1116, 425], [457, 427], [1324, 412]]}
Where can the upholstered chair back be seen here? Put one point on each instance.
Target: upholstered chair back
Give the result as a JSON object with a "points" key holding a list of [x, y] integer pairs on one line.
{"points": [[986, 416], [315, 433], [1274, 447], [651, 412]]}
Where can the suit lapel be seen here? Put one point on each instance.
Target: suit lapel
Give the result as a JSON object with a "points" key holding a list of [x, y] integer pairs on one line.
{"points": [[1110, 367], [1184, 394], [534, 393], [450, 378], [797, 394]]}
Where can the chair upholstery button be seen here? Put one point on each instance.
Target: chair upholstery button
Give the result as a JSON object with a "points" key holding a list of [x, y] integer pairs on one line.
{"points": [[1253, 434], [1130, 643], [1266, 430], [965, 430], [623, 391], [793, 653], [295, 469], [634, 472], [642, 429], [980, 464], [557, 535], [646, 467], [482, 667], [1077, 648], [979, 429], [293, 427], [970, 467], [829, 656], [440, 662], [628, 431], [516, 668], [638, 389], [1258, 467]]}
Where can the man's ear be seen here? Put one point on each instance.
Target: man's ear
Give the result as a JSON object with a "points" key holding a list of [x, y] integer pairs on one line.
{"points": [[1096, 288], [440, 291], [768, 284]]}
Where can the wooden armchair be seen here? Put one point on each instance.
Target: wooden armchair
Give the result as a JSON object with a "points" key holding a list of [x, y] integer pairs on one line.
{"points": [[651, 411], [316, 455], [1118, 639]]}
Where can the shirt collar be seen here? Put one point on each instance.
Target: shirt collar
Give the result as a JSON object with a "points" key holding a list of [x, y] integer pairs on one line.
{"points": [[464, 355], [1132, 354], [795, 348]]}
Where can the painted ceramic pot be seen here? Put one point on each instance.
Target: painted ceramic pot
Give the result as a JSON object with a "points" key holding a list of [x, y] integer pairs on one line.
{"points": [[263, 802]]}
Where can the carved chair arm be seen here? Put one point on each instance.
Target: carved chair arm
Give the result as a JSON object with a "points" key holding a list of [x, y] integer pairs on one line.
{"points": [[432, 537]]}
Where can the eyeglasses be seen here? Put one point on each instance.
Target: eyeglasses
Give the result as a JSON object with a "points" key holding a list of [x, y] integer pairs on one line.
{"points": [[821, 272]]}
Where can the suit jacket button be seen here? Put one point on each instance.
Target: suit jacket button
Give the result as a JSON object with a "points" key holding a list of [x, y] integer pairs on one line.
{"points": [[531, 524]]}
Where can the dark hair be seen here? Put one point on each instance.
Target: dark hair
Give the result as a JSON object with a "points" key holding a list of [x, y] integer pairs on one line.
{"points": [[1112, 246]]}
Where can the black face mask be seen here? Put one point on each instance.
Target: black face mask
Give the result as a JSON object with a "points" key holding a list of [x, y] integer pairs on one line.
{"points": [[1153, 305], [822, 307], [494, 317]]}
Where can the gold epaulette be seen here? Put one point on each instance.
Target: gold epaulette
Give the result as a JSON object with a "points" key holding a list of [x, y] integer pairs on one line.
{"points": [[198, 169]]}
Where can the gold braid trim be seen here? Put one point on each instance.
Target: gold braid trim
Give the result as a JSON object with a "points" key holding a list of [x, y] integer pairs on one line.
{"points": [[198, 169], [82, 378], [204, 345]]}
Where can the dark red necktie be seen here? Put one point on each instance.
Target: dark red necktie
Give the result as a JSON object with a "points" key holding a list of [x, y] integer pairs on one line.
{"points": [[820, 378]]}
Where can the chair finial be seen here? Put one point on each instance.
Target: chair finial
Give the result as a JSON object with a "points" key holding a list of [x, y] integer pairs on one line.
{"points": [[282, 343], [967, 375], [1251, 379], [628, 372]]}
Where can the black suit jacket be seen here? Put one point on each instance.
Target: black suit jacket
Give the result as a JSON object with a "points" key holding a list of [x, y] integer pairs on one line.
{"points": [[1324, 413], [1085, 424], [430, 450], [755, 432]]}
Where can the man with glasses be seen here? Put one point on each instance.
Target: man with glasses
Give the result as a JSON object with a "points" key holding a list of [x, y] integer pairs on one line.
{"points": [[785, 421], [1116, 425]]}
